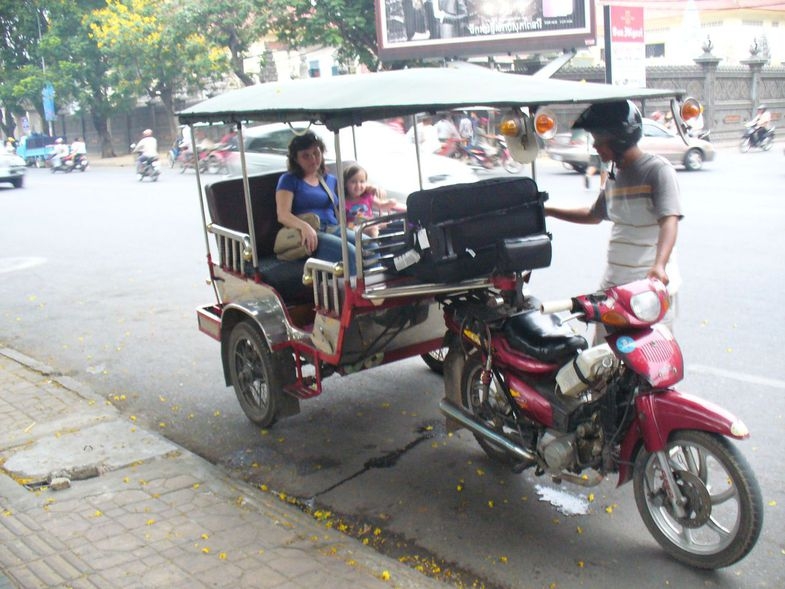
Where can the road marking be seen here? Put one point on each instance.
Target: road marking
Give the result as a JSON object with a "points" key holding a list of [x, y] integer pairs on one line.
{"points": [[741, 376], [14, 264]]}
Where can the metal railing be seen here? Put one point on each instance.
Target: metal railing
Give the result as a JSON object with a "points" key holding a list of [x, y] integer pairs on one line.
{"points": [[234, 248]]}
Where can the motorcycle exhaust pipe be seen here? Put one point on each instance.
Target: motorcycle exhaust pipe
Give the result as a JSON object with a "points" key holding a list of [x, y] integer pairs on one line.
{"points": [[452, 411]]}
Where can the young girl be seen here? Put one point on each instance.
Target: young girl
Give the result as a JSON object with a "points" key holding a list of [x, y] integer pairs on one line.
{"points": [[362, 199]]}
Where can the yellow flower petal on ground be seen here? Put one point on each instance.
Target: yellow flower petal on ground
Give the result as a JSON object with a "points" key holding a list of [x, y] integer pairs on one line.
{"points": [[581, 564], [205, 536], [206, 550], [772, 503], [503, 559], [222, 556], [385, 576], [609, 509], [150, 522]]}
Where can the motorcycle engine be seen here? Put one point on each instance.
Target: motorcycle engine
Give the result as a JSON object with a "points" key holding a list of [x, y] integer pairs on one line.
{"points": [[575, 450]]}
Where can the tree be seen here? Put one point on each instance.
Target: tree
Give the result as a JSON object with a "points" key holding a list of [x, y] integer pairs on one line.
{"points": [[235, 25], [347, 25], [80, 69], [156, 49], [21, 25]]}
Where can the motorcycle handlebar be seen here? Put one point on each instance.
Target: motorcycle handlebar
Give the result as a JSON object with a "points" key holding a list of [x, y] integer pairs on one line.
{"points": [[549, 307]]}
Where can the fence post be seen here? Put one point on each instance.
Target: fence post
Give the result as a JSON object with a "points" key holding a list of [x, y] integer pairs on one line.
{"points": [[755, 62], [708, 64]]}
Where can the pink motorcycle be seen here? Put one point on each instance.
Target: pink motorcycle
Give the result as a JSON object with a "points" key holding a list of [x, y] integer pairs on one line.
{"points": [[535, 395]]}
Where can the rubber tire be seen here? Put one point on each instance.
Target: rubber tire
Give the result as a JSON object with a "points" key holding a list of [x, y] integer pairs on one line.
{"points": [[18, 182], [252, 366], [767, 143], [745, 145], [435, 360], [742, 479], [693, 160], [511, 166], [471, 369], [213, 165]]}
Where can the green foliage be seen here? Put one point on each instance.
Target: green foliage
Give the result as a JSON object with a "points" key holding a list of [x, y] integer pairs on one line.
{"points": [[235, 25], [348, 25], [155, 48]]}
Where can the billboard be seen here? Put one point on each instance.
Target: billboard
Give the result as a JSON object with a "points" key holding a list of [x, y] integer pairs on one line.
{"points": [[625, 45], [415, 29]]}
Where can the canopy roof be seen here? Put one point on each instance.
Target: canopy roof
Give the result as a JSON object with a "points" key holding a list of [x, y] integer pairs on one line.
{"points": [[341, 101]]}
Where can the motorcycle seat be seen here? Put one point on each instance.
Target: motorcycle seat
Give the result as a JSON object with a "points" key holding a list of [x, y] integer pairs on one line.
{"points": [[542, 337]]}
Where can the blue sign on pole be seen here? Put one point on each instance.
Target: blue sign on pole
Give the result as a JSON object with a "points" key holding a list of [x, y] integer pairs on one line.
{"points": [[48, 94]]}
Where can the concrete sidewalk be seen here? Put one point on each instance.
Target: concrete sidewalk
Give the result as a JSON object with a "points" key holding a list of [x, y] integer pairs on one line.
{"points": [[90, 500]]}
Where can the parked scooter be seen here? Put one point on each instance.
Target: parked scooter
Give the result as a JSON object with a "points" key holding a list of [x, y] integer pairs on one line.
{"points": [[535, 395], [752, 138]]}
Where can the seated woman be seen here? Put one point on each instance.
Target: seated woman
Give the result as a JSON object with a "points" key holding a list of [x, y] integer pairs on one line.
{"points": [[306, 188]]}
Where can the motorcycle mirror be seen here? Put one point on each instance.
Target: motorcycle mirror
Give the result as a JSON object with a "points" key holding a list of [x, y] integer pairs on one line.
{"points": [[518, 129]]}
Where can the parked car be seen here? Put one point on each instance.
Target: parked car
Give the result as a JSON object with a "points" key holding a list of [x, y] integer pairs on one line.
{"points": [[574, 149], [388, 156], [12, 169]]}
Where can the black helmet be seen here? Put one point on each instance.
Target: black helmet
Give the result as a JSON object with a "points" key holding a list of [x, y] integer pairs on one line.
{"points": [[621, 120]]}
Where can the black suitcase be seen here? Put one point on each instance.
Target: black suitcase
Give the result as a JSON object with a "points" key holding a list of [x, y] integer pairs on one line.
{"points": [[456, 230]]}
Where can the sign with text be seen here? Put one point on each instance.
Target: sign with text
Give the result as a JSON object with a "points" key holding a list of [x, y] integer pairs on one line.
{"points": [[627, 47], [421, 29]]}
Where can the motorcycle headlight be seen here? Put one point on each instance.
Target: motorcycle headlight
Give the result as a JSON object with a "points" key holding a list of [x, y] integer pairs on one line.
{"points": [[646, 306]]}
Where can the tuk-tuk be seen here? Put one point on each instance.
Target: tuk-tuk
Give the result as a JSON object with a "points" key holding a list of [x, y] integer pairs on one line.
{"points": [[284, 326]]}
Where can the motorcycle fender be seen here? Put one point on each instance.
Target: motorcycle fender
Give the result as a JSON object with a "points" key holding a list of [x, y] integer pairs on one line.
{"points": [[659, 414]]}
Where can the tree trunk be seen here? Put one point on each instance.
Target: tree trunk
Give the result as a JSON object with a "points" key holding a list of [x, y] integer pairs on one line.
{"points": [[101, 125]]}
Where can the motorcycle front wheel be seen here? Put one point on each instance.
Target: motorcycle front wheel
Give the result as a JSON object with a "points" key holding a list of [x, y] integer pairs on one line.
{"points": [[766, 144], [723, 505], [745, 145]]}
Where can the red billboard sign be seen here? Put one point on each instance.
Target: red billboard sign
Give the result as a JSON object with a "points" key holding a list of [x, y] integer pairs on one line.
{"points": [[415, 29]]}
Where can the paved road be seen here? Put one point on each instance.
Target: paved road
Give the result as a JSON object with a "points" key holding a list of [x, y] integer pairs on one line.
{"points": [[101, 276]]}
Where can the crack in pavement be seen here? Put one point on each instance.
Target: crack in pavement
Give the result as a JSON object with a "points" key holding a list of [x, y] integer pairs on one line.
{"points": [[385, 461]]}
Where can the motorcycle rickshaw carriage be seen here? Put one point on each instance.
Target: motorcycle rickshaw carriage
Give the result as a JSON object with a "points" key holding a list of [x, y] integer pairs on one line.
{"points": [[285, 326]]}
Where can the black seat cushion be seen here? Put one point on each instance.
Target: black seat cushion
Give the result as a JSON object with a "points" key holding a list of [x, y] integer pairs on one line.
{"points": [[542, 337], [287, 279]]}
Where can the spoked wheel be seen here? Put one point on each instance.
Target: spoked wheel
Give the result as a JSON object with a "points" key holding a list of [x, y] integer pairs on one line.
{"points": [[435, 360], [745, 145], [254, 375], [489, 409], [723, 510]]}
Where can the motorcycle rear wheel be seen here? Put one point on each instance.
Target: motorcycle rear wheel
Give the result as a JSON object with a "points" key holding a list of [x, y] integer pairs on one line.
{"points": [[489, 411], [724, 508]]}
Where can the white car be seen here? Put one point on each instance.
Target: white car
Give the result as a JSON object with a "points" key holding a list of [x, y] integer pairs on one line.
{"points": [[12, 169], [387, 155]]}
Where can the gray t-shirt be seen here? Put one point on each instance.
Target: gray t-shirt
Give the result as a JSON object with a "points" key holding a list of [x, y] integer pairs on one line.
{"points": [[641, 195]]}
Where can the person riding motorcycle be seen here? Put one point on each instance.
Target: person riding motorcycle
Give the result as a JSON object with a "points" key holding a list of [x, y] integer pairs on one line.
{"points": [[60, 150], [760, 123], [147, 148]]}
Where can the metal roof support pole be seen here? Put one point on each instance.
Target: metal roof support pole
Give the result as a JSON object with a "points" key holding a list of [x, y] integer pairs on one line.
{"points": [[247, 196], [341, 212]]}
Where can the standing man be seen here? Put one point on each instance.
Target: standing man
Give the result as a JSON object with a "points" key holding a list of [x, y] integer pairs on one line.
{"points": [[641, 199]]}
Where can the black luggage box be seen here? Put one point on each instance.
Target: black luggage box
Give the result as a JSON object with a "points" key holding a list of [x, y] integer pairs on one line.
{"points": [[456, 229]]}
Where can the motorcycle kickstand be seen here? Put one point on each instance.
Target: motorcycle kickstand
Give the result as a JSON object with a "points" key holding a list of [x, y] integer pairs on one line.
{"points": [[675, 496]]}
